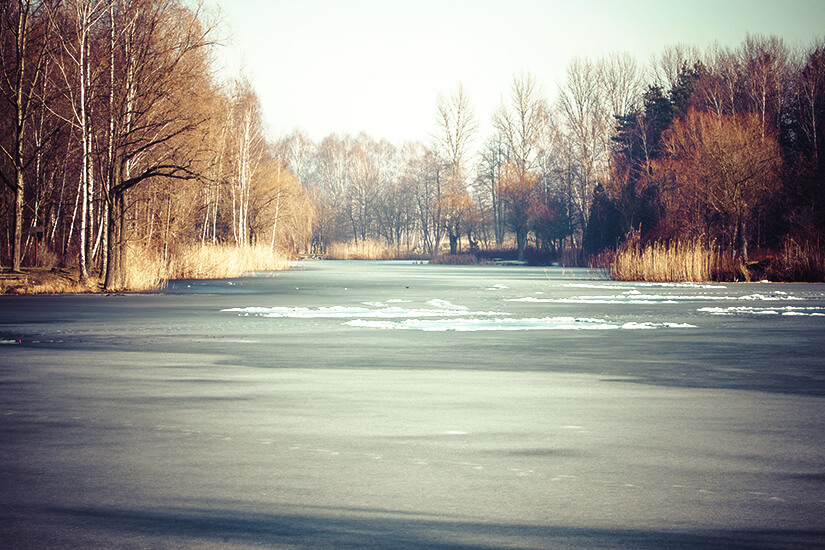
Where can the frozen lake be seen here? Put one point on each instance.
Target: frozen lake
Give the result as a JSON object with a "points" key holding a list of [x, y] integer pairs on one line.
{"points": [[396, 405]]}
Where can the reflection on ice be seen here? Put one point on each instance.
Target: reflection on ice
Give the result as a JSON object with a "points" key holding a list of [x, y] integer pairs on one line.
{"points": [[473, 325]]}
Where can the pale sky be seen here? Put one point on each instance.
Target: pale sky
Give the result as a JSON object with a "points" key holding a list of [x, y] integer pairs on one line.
{"points": [[346, 66]]}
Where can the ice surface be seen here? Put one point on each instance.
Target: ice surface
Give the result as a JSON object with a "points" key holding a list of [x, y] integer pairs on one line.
{"points": [[184, 419]]}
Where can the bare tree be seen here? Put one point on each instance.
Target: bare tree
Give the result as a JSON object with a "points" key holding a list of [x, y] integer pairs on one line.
{"points": [[765, 61], [666, 66], [587, 128], [163, 69], [456, 128], [622, 83]]}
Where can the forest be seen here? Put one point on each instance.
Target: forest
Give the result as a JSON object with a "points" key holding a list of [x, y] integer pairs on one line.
{"points": [[121, 140]]}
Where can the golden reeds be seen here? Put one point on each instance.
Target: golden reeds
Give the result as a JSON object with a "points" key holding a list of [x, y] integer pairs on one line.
{"points": [[223, 261], [670, 262]]}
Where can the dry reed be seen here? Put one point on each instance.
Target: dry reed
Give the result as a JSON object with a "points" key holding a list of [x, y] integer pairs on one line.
{"points": [[145, 268], [670, 262], [224, 261]]}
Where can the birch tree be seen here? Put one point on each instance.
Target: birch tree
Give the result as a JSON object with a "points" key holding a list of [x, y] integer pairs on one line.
{"points": [[75, 25]]}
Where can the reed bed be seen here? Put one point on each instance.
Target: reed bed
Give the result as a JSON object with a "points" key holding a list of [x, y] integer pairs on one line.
{"points": [[671, 262], [224, 261], [145, 268], [362, 250]]}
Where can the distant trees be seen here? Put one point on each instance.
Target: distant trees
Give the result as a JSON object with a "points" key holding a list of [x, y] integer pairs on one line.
{"points": [[116, 135], [724, 153]]}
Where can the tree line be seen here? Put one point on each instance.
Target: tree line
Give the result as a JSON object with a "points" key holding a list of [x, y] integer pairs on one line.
{"points": [[117, 132], [722, 145]]}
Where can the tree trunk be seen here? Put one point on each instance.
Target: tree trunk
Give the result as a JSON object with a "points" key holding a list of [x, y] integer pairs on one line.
{"points": [[18, 224], [521, 237], [113, 245], [453, 243], [742, 240]]}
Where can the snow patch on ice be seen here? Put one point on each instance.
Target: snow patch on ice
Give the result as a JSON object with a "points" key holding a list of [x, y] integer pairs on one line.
{"points": [[498, 286], [508, 324], [750, 310], [633, 296], [633, 286], [442, 308], [446, 305]]}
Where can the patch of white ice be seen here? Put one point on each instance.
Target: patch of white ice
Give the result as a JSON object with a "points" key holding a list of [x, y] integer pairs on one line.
{"points": [[750, 310], [633, 286], [436, 302], [441, 308], [633, 296], [509, 324]]}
